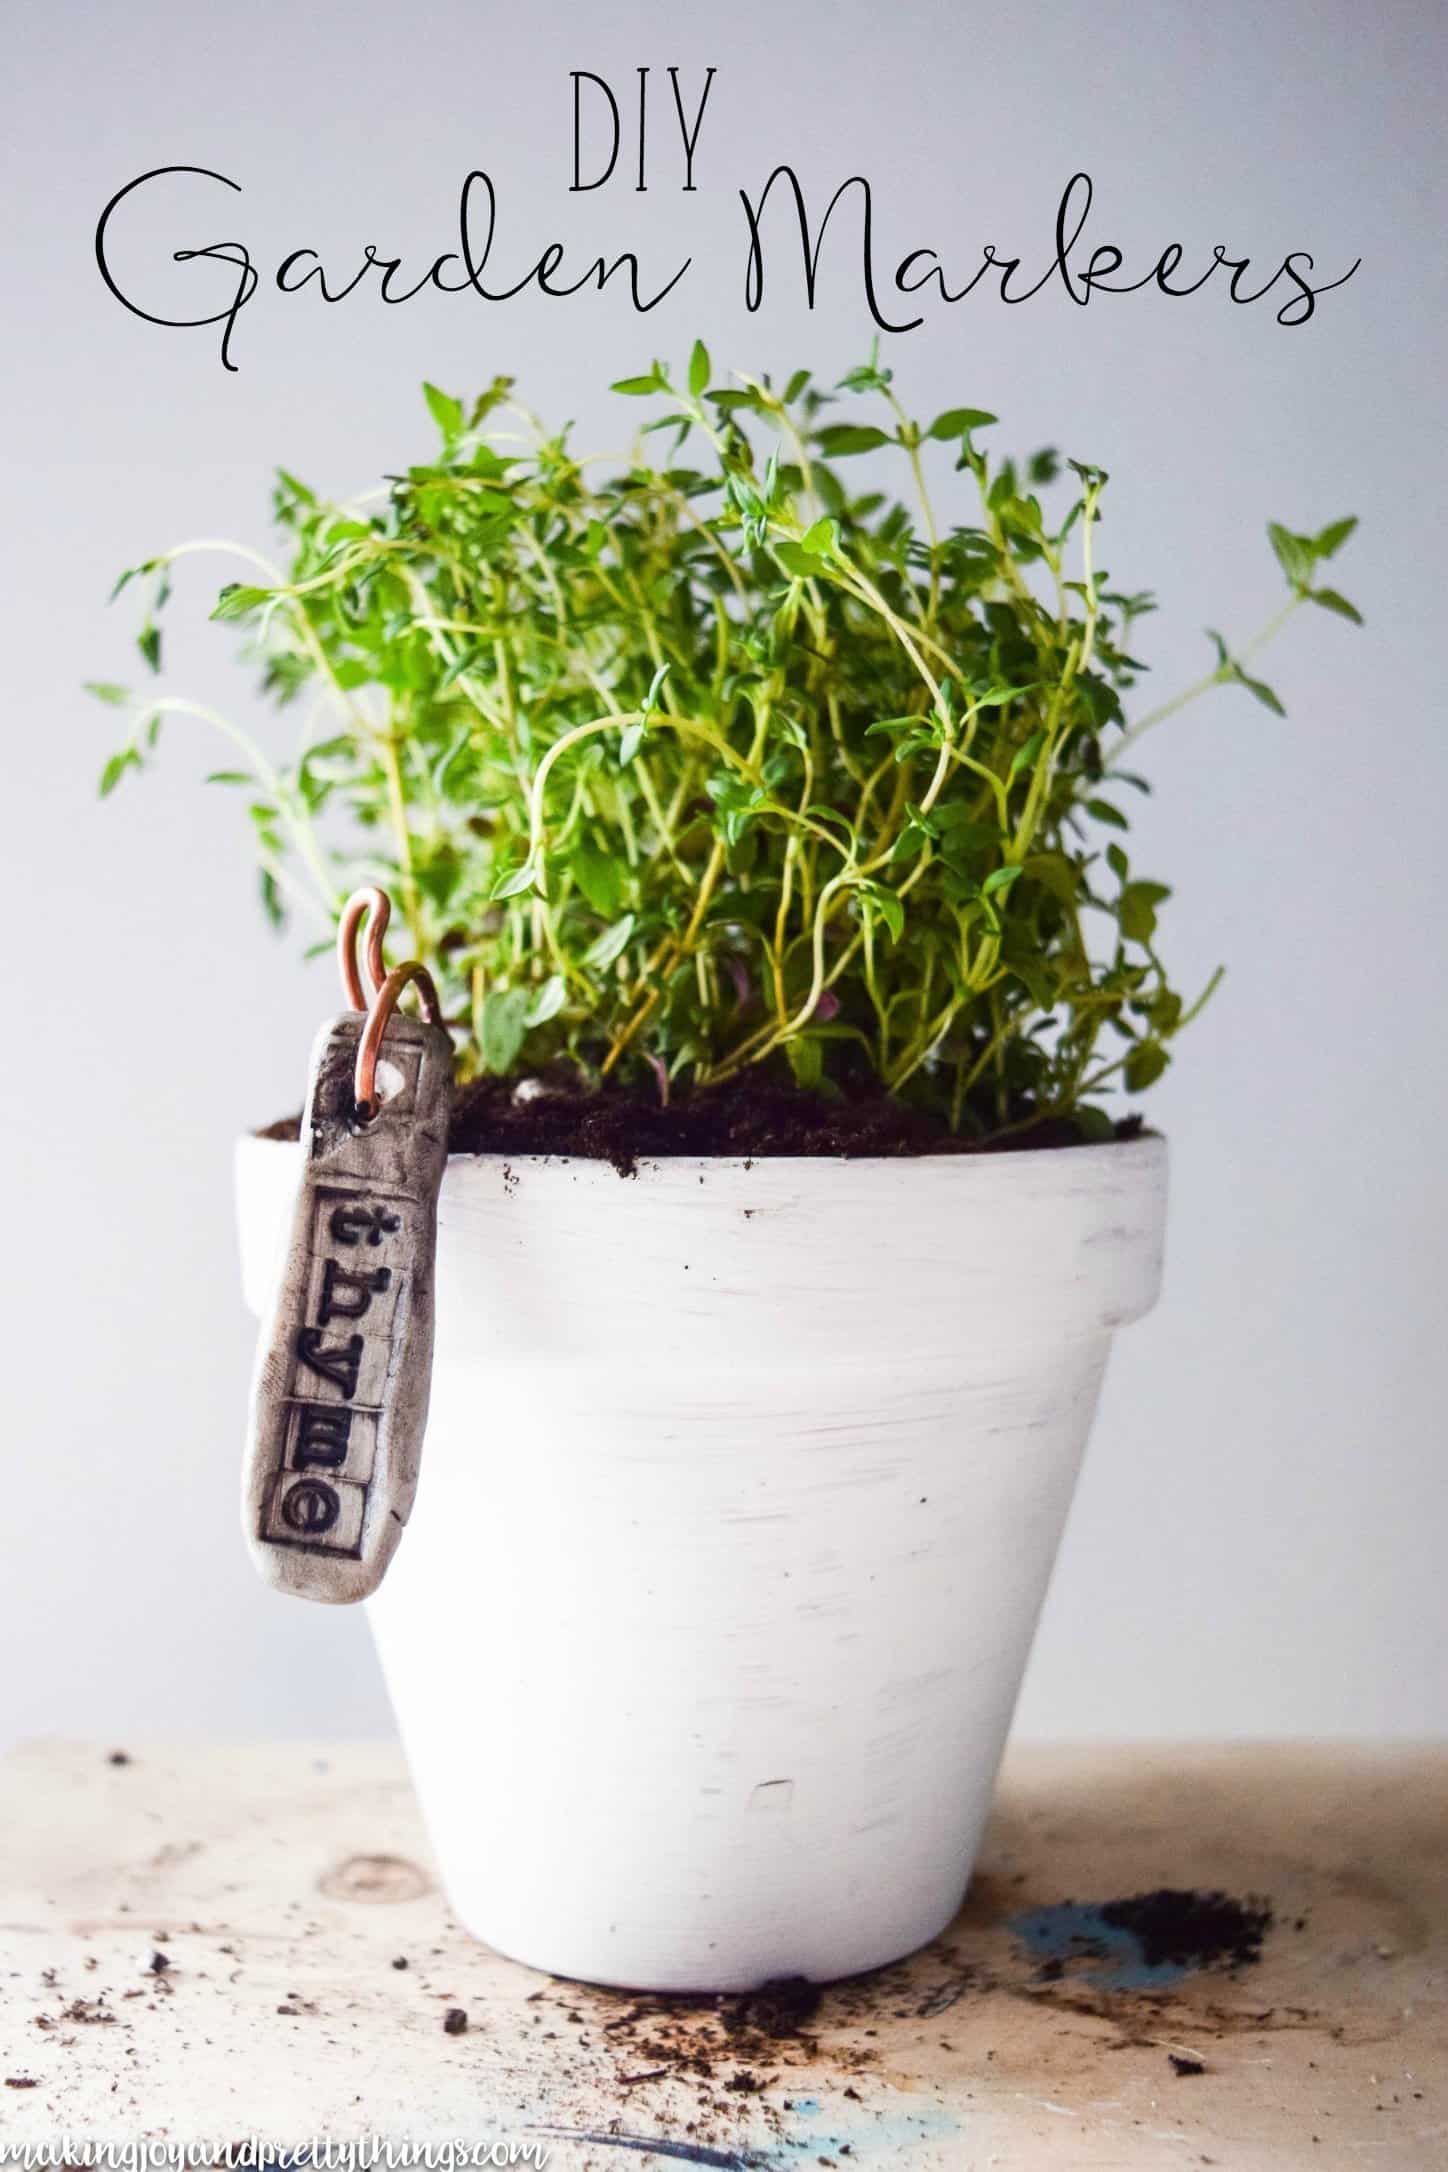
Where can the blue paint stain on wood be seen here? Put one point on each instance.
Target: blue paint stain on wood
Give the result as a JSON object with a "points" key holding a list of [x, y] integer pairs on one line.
{"points": [[865, 2135], [1077, 1931], [1148, 1941], [655, 2145]]}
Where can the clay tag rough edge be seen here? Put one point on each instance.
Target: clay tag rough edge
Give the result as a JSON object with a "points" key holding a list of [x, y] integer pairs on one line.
{"points": [[344, 1418]]}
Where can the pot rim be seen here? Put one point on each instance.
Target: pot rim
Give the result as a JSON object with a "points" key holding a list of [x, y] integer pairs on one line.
{"points": [[1145, 1145], [1064, 1243]]}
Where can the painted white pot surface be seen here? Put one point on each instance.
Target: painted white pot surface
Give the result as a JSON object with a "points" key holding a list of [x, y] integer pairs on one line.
{"points": [[741, 1490]]}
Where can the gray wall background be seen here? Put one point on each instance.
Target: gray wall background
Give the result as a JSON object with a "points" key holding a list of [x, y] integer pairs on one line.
{"points": [[1258, 1543]]}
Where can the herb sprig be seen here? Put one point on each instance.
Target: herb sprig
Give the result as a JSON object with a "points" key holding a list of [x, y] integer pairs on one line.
{"points": [[683, 765]]}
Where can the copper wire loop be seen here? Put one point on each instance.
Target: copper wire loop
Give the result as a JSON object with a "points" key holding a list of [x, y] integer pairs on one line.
{"points": [[369, 1046], [375, 906]]}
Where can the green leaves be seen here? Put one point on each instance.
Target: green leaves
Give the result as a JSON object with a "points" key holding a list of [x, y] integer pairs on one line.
{"points": [[1230, 673], [656, 688], [657, 380], [1328, 599], [838, 440], [600, 877], [239, 601], [1294, 553], [878, 904], [1259, 690], [1329, 541], [631, 738], [445, 411], [803, 565], [1025, 757], [1136, 910], [609, 946], [504, 1022], [115, 769], [959, 422], [806, 1054], [517, 881], [547, 1003], [1144, 1066], [1299, 557], [726, 756]]}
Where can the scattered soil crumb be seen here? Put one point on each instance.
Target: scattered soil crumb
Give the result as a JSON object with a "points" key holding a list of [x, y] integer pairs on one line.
{"points": [[455, 2020], [778, 2009], [1183, 2066], [1193, 1930]]}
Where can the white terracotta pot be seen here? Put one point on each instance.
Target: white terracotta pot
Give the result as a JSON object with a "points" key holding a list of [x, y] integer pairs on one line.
{"points": [[741, 1491]]}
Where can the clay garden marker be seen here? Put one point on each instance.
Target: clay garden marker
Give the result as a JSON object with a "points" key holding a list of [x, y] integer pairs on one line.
{"points": [[339, 1399]]}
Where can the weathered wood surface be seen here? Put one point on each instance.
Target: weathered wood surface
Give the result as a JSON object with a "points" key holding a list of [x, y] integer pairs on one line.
{"points": [[340, 1394], [284, 1884]]}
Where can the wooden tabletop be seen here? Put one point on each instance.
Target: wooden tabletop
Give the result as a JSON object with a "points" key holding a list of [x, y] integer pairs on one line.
{"points": [[204, 1944]]}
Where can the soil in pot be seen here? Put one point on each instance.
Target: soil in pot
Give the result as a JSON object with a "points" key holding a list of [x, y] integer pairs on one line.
{"points": [[751, 1116]]}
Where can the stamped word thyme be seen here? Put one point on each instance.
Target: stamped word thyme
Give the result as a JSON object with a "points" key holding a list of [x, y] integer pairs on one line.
{"points": [[340, 1399]]}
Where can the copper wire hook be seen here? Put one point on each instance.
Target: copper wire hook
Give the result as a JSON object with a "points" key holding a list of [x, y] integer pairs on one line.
{"points": [[375, 906], [369, 1045]]}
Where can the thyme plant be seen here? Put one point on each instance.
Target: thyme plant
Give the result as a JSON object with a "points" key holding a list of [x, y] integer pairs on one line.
{"points": [[686, 764]]}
